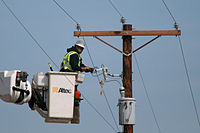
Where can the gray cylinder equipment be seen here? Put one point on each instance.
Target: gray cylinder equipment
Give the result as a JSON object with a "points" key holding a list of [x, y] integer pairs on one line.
{"points": [[127, 111]]}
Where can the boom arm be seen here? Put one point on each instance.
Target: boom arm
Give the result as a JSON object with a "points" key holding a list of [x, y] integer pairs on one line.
{"points": [[14, 87]]}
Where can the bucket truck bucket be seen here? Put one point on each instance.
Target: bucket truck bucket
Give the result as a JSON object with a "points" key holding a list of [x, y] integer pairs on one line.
{"points": [[61, 94], [58, 89]]}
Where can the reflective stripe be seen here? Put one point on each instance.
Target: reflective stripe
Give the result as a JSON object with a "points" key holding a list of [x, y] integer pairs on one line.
{"points": [[66, 61]]}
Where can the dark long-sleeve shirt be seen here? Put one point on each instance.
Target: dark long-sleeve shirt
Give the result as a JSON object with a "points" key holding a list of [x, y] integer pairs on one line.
{"points": [[74, 59]]}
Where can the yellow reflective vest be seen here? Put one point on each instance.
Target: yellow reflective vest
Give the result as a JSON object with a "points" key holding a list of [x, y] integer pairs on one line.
{"points": [[66, 61]]}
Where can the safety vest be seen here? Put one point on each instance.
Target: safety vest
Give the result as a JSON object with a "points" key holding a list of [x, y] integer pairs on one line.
{"points": [[66, 61]]}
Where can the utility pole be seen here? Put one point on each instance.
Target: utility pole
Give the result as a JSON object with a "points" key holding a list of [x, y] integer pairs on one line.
{"points": [[127, 34], [127, 69]]}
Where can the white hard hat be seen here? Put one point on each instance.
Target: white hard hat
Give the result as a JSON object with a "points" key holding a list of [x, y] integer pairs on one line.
{"points": [[80, 43]]}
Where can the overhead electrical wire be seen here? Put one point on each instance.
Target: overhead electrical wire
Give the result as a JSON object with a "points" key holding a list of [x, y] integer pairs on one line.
{"points": [[114, 81], [112, 4], [79, 28], [107, 102], [189, 81], [169, 10], [147, 95], [29, 33], [99, 114], [146, 92], [176, 26], [89, 57], [111, 111], [185, 64], [93, 63], [65, 11], [117, 10]]}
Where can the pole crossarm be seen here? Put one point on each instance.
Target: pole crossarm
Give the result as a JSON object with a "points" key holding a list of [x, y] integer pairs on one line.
{"points": [[122, 51], [129, 33], [108, 44], [145, 44]]}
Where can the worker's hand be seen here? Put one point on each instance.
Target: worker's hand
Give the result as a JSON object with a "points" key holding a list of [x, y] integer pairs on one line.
{"points": [[91, 70], [87, 69]]}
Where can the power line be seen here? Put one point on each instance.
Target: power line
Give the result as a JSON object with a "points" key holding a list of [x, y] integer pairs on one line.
{"points": [[169, 11], [29, 33], [79, 28], [111, 111], [115, 8], [88, 54], [147, 95], [65, 11], [185, 64], [102, 87], [99, 113], [188, 79], [175, 23]]}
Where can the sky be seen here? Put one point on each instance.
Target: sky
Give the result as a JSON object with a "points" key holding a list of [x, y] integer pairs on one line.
{"points": [[161, 62]]}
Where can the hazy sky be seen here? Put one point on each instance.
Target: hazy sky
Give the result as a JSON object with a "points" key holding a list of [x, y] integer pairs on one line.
{"points": [[161, 62]]}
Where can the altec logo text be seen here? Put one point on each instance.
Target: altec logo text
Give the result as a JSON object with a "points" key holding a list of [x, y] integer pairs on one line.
{"points": [[61, 90]]}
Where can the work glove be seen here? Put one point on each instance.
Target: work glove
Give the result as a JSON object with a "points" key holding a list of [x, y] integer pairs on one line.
{"points": [[87, 69], [91, 70]]}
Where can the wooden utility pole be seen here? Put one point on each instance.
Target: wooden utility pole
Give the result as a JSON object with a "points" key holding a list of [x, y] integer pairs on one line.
{"points": [[127, 34], [127, 69]]}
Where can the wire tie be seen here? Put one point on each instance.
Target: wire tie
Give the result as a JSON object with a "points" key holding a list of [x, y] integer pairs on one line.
{"points": [[127, 54]]}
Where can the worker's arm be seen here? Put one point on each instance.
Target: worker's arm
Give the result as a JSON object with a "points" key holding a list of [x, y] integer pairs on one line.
{"points": [[74, 63]]}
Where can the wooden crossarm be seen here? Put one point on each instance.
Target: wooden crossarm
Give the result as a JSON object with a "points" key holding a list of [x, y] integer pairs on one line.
{"points": [[129, 33]]}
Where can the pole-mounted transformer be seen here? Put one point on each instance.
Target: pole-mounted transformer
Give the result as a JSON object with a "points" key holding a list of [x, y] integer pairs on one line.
{"points": [[126, 109]]}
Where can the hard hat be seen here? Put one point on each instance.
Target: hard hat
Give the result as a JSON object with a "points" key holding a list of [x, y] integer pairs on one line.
{"points": [[80, 43]]}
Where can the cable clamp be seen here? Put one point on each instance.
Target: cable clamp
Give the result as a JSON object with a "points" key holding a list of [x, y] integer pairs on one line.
{"points": [[127, 54]]}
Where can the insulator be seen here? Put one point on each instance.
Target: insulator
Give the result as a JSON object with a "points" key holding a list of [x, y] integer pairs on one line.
{"points": [[123, 20], [176, 26], [78, 26]]}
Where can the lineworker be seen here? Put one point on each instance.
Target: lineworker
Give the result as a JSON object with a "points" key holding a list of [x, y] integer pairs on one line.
{"points": [[72, 61]]}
